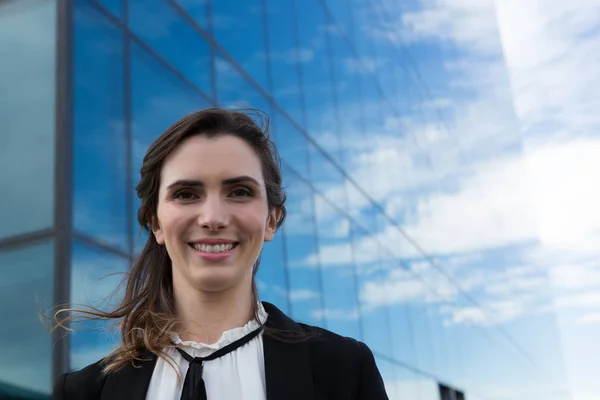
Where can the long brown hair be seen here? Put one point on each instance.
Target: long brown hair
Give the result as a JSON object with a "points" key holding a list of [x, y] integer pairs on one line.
{"points": [[146, 315]]}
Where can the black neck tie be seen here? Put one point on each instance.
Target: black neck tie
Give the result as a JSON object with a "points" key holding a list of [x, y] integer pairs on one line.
{"points": [[193, 385]]}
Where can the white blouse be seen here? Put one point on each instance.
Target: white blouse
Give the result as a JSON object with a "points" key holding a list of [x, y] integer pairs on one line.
{"points": [[238, 375]]}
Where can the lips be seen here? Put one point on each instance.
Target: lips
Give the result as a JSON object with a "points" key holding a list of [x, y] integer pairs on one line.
{"points": [[213, 248]]}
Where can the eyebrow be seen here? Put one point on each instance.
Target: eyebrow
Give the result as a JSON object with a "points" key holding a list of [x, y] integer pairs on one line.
{"points": [[224, 182]]}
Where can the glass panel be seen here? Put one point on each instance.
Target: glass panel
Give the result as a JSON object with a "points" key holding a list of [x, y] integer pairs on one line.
{"points": [[341, 309], [429, 389], [158, 99], [114, 6], [234, 90], [198, 10], [402, 327], [407, 385], [91, 285], [366, 39], [421, 333], [352, 139], [326, 177], [272, 275], [316, 75], [27, 94], [238, 26], [25, 288], [301, 248], [373, 292], [99, 158], [173, 37], [361, 210], [291, 144], [285, 58], [342, 23], [388, 373]]}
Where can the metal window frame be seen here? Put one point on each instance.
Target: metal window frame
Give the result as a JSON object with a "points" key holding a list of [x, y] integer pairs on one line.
{"points": [[63, 179]]}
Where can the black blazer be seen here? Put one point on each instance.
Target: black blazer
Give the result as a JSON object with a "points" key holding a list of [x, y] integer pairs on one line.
{"points": [[327, 366]]}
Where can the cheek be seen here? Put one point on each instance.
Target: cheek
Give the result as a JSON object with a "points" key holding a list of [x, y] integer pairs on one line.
{"points": [[173, 220], [252, 225]]}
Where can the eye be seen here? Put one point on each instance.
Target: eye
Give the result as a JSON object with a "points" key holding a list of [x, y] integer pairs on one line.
{"points": [[241, 192], [185, 195]]}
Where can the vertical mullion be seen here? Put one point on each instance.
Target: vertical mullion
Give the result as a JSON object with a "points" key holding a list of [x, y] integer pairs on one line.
{"points": [[63, 178], [129, 186]]}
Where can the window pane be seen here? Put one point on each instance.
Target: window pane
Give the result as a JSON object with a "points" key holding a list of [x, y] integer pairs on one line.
{"points": [[198, 10], [285, 58], [388, 373], [234, 90], [291, 144], [91, 286], [342, 15], [341, 309], [114, 6], [271, 277], [373, 292], [173, 37], [407, 385], [353, 142], [26, 284], [316, 75], [401, 327], [301, 247], [27, 93], [361, 209], [99, 155], [238, 26], [158, 99], [327, 178]]}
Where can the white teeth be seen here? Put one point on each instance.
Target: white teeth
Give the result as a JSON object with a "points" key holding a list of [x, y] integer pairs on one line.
{"points": [[217, 248]]}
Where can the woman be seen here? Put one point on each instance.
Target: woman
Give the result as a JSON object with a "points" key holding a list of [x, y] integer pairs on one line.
{"points": [[191, 323]]}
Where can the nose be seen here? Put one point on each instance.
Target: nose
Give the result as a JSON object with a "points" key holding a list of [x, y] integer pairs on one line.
{"points": [[213, 215]]}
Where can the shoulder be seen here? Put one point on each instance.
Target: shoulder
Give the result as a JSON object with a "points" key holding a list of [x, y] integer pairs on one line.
{"points": [[329, 347], [342, 365], [345, 365], [84, 384], [326, 347]]}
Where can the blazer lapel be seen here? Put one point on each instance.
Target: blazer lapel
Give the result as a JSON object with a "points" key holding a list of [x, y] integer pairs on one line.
{"points": [[130, 383], [288, 368]]}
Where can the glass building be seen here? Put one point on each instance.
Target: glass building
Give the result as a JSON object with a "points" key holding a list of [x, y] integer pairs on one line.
{"points": [[368, 154]]}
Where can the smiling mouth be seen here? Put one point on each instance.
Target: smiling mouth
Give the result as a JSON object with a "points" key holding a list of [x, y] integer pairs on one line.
{"points": [[216, 248]]}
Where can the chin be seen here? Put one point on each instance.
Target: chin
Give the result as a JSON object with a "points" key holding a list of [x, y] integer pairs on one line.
{"points": [[217, 281]]}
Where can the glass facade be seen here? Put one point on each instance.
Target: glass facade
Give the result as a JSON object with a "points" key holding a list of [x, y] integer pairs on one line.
{"points": [[374, 162]]}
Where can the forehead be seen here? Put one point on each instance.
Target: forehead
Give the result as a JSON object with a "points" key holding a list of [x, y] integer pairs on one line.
{"points": [[219, 157]]}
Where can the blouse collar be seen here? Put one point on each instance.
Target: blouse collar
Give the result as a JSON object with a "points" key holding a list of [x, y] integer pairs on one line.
{"points": [[227, 337]]}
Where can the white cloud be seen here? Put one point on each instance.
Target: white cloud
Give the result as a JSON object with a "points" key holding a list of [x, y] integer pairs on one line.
{"points": [[496, 312], [333, 255], [552, 50], [564, 186], [589, 299], [302, 55], [593, 318], [333, 29], [303, 295], [336, 314], [469, 23], [573, 276], [363, 66], [402, 389]]}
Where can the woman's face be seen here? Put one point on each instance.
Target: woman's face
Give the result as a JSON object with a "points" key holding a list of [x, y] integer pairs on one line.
{"points": [[213, 215]]}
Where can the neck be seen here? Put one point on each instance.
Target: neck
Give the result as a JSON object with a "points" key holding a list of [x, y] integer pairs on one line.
{"points": [[204, 316]]}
